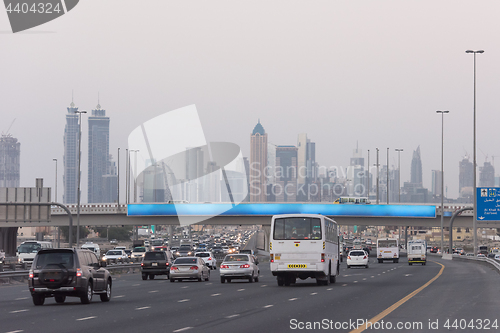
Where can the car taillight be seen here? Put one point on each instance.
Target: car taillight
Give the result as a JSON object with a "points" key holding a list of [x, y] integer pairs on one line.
{"points": [[173, 268], [245, 266], [224, 266], [210, 258], [364, 257], [167, 264], [349, 257], [142, 264], [193, 267], [31, 274], [271, 257], [78, 272], [322, 257]]}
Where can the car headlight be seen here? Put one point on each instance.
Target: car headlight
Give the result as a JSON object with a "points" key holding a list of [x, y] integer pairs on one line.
{"points": [[104, 258]]}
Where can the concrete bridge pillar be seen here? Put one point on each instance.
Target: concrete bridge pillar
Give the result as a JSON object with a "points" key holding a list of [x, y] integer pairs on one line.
{"points": [[8, 240]]}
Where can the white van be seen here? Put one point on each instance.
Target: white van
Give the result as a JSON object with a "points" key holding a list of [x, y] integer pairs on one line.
{"points": [[92, 247], [27, 251]]}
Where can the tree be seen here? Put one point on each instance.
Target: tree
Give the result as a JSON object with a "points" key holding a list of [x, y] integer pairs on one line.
{"points": [[83, 232]]}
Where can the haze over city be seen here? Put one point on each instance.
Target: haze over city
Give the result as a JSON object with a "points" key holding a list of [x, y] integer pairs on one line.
{"points": [[367, 73]]}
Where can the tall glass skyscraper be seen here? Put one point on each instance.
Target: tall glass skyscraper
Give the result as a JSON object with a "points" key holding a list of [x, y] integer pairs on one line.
{"points": [[258, 163], [416, 168], [70, 160], [99, 164]]}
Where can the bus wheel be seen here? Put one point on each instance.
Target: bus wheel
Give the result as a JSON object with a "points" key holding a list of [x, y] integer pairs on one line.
{"points": [[280, 281], [379, 261]]}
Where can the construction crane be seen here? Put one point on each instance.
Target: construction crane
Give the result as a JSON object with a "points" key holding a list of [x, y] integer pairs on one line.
{"points": [[8, 129]]}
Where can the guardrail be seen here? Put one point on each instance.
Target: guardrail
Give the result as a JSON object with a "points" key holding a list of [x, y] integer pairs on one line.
{"points": [[492, 262], [22, 275]]}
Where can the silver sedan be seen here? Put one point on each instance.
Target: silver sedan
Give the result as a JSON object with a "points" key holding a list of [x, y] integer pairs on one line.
{"points": [[239, 266], [189, 268]]}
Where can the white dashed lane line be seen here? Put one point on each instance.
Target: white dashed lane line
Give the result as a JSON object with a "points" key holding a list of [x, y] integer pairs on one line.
{"points": [[268, 306], [240, 289], [17, 311], [18, 331], [232, 316], [293, 299], [153, 291], [215, 295], [183, 329], [183, 300], [314, 293], [143, 308], [86, 318], [20, 298], [119, 296]]}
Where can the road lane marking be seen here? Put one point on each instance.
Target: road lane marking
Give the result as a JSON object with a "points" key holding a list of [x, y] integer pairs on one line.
{"points": [[330, 289], [183, 300], [207, 284], [17, 311], [372, 276], [314, 293], [355, 281], [293, 299], [264, 285], [345, 284], [120, 296], [18, 331], [153, 291], [232, 316], [183, 329], [396, 305], [143, 308], [267, 306], [240, 289], [135, 285], [364, 279], [184, 287], [20, 298], [215, 295], [86, 318]]}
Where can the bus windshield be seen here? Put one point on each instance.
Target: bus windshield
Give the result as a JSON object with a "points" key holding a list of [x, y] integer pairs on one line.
{"points": [[297, 228], [387, 243]]}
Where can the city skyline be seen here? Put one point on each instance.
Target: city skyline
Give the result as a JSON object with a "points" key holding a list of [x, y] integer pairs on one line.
{"points": [[343, 74]]}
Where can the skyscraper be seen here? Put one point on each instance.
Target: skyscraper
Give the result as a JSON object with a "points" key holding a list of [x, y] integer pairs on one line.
{"points": [[258, 163], [306, 166], [416, 168], [465, 177], [487, 175], [10, 161], [99, 159], [356, 174], [436, 183], [286, 174], [70, 160]]}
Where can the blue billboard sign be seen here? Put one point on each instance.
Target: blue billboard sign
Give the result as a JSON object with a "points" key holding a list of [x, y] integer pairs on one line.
{"points": [[269, 209], [488, 203]]}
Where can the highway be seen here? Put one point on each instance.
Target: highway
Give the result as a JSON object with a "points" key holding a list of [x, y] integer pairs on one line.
{"points": [[464, 290]]}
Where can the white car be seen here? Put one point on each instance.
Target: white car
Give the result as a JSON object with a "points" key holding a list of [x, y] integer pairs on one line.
{"points": [[207, 257], [138, 252], [357, 258], [497, 256], [115, 255]]}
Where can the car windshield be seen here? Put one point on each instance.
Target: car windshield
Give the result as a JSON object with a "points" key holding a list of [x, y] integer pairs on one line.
{"points": [[154, 255], [139, 249], [237, 258], [185, 247], [55, 258], [202, 254], [186, 261], [357, 253], [113, 253], [29, 248]]}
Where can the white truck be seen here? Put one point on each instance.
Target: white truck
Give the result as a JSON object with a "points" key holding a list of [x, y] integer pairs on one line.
{"points": [[417, 252]]}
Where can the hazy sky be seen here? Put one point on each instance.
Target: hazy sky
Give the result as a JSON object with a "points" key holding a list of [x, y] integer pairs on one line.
{"points": [[341, 71]]}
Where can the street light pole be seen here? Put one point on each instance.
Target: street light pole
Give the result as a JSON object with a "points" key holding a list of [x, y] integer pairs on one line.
{"points": [[442, 178], [118, 183], [387, 182], [474, 221], [377, 175], [368, 177], [79, 175], [58, 228], [399, 173]]}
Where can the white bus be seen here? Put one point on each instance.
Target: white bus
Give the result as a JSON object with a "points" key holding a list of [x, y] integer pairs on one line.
{"points": [[27, 251], [304, 246], [357, 244], [417, 252], [387, 249]]}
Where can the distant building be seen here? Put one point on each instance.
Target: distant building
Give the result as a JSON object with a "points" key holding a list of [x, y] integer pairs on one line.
{"points": [[487, 175], [102, 185], [258, 163], [307, 170], [416, 168], [356, 174], [286, 174], [436, 183], [10, 161], [70, 159], [466, 178]]}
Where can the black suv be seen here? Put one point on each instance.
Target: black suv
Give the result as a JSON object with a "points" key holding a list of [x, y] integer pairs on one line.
{"points": [[68, 272], [155, 263]]}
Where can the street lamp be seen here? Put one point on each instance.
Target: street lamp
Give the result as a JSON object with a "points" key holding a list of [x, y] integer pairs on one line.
{"points": [[377, 175], [399, 173], [368, 177], [474, 224], [79, 176], [58, 228], [442, 177], [387, 182]]}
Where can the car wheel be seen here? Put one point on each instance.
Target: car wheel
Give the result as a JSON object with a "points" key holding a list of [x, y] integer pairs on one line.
{"points": [[348, 266], [60, 298], [222, 280], [172, 280], [250, 279], [151, 276], [144, 276], [38, 299], [333, 279], [107, 296], [208, 276], [257, 278], [366, 266], [280, 281], [228, 280], [86, 298]]}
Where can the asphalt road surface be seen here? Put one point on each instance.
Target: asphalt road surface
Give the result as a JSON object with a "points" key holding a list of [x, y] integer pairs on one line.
{"points": [[385, 292]]}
